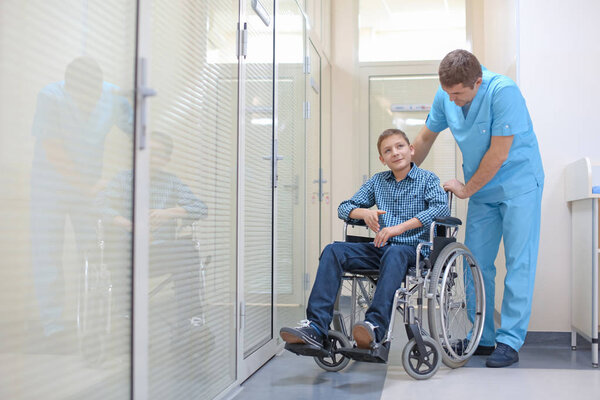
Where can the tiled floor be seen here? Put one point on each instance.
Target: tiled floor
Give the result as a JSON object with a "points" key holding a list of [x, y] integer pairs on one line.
{"points": [[548, 369]]}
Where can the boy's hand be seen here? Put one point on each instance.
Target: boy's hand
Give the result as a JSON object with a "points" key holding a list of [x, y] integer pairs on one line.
{"points": [[371, 218], [385, 234]]}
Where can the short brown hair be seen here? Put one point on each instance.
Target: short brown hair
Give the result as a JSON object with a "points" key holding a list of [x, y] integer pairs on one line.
{"points": [[388, 133], [459, 66]]}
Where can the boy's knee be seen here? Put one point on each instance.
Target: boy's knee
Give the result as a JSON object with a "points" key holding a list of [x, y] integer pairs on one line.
{"points": [[332, 248]]}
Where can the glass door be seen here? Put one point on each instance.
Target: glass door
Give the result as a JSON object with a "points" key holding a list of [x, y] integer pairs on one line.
{"points": [[192, 131], [67, 74], [255, 233], [290, 215]]}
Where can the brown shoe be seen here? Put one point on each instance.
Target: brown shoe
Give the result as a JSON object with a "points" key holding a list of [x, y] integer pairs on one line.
{"points": [[364, 334]]}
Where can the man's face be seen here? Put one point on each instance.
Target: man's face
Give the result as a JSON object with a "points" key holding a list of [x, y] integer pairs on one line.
{"points": [[461, 94], [396, 153]]}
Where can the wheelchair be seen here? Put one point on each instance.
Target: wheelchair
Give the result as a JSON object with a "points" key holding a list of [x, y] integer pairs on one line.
{"points": [[95, 303], [449, 282]]}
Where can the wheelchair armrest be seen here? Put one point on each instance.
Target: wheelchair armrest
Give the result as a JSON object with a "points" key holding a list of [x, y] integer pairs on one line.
{"points": [[355, 238], [448, 221], [356, 222]]}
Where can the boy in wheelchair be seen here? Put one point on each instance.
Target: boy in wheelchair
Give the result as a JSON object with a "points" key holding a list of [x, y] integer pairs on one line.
{"points": [[173, 206], [408, 199]]}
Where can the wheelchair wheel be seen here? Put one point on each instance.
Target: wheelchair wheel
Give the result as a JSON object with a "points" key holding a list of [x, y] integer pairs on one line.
{"points": [[336, 361], [457, 309], [421, 367]]}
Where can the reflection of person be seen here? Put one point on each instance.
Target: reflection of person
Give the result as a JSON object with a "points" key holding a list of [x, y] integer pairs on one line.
{"points": [[171, 202], [407, 199], [504, 180], [72, 119], [170, 199]]}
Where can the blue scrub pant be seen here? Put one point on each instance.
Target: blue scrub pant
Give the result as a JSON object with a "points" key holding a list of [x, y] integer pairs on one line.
{"points": [[517, 220]]}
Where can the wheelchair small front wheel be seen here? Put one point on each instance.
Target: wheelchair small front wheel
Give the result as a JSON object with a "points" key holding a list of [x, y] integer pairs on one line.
{"points": [[421, 366], [334, 361]]}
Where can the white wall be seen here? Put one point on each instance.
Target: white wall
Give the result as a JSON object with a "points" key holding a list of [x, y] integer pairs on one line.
{"points": [[345, 173], [558, 66]]}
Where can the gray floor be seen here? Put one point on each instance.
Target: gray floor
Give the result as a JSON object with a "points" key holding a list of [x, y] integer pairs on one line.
{"points": [[291, 377]]}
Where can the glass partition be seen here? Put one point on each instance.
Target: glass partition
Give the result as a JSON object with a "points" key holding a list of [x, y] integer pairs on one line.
{"points": [[66, 123], [193, 190], [290, 239], [256, 178]]}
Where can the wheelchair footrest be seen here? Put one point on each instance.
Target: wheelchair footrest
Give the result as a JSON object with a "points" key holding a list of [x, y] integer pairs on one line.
{"points": [[309, 350], [378, 354]]}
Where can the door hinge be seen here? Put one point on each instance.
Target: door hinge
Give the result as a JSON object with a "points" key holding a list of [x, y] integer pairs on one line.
{"points": [[242, 315], [307, 65], [242, 41], [306, 110]]}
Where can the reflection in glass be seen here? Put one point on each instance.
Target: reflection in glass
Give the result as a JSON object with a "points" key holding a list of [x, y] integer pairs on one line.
{"points": [[66, 118], [192, 332]]}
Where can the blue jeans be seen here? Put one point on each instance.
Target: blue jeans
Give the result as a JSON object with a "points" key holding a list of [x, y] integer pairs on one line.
{"points": [[392, 261]]}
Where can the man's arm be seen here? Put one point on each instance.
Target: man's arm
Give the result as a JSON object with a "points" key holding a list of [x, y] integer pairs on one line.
{"points": [[59, 159], [423, 143], [488, 167]]}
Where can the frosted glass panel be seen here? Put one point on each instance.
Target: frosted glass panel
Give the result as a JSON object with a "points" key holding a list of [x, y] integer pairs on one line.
{"points": [[193, 164], [403, 102], [290, 196], [257, 181], [66, 113], [401, 30]]}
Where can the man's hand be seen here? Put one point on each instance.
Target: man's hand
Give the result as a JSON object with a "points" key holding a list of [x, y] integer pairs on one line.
{"points": [[456, 187], [371, 218], [385, 234]]}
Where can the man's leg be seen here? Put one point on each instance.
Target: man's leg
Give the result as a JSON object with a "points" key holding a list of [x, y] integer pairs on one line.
{"points": [[395, 262], [521, 223], [483, 233]]}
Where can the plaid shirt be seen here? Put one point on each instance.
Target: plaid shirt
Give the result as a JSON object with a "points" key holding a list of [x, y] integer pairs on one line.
{"points": [[419, 195]]}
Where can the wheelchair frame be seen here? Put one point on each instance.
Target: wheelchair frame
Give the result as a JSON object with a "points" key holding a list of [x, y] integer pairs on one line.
{"points": [[95, 297], [429, 281]]}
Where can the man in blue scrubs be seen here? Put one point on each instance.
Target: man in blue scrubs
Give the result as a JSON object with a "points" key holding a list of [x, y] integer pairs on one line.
{"points": [[504, 181]]}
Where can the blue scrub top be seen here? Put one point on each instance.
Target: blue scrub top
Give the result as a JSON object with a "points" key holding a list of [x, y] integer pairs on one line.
{"points": [[498, 109]]}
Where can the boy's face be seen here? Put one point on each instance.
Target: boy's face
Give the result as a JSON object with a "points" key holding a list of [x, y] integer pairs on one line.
{"points": [[396, 153]]}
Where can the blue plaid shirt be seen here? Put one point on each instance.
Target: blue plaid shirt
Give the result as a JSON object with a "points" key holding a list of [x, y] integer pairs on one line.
{"points": [[419, 195]]}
